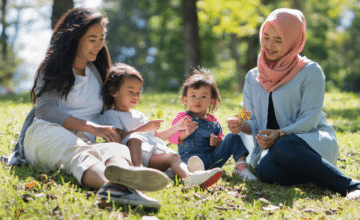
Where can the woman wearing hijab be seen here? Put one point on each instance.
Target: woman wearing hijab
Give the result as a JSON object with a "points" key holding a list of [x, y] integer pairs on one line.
{"points": [[293, 144]]}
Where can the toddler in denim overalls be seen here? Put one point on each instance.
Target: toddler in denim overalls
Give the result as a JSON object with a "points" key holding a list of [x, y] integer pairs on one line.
{"points": [[203, 137]]}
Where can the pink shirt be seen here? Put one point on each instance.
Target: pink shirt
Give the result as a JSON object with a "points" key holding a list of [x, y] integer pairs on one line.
{"points": [[175, 138]]}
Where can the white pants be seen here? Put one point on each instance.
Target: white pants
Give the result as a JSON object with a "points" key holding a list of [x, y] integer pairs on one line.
{"points": [[49, 145], [151, 145]]}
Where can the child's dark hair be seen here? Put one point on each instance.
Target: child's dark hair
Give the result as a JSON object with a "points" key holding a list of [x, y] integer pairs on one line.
{"points": [[118, 73], [202, 77]]}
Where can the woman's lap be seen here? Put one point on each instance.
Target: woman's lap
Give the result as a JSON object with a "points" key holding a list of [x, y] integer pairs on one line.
{"points": [[292, 161], [49, 145]]}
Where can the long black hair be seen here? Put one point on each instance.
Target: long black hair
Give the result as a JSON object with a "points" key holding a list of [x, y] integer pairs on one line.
{"points": [[56, 68]]}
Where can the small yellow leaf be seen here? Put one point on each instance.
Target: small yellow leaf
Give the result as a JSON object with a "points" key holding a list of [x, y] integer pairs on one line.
{"points": [[159, 114]]}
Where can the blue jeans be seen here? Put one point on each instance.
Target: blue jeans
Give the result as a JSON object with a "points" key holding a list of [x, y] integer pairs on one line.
{"points": [[230, 145], [292, 161]]}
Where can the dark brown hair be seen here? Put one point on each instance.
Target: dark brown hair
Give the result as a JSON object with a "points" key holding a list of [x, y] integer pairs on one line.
{"points": [[56, 68], [118, 73], [203, 77]]}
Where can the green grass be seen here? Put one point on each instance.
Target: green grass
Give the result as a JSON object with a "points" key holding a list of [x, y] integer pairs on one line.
{"points": [[61, 197]]}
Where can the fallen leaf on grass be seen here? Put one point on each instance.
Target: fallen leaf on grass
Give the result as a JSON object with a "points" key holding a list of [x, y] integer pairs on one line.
{"points": [[149, 218], [271, 208], [30, 185], [89, 194], [331, 211], [48, 196], [312, 211], [42, 178], [224, 208], [186, 197], [56, 212], [27, 198]]}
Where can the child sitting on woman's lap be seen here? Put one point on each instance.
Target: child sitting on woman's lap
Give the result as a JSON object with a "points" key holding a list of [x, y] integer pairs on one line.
{"points": [[121, 94]]}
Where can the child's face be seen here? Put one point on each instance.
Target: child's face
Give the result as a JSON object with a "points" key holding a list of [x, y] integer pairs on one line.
{"points": [[198, 100], [128, 96]]}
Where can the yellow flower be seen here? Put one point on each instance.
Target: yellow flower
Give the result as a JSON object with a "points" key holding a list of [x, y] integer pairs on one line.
{"points": [[243, 115], [159, 114]]}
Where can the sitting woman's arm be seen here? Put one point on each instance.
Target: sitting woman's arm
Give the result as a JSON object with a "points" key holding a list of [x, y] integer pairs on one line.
{"points": [[47, 109], [312, 93]]}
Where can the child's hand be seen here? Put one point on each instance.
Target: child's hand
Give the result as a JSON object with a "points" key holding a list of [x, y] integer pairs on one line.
{"points": [[152, 125], [191, 126], [182, 123], [214, 141], [234, 125]]}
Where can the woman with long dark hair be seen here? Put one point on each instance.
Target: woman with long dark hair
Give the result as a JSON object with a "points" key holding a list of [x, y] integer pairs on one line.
{"points": [[62, 128]]}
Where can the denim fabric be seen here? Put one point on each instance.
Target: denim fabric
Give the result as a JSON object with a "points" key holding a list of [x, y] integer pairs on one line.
{"points": [[198, 144], [292, 161]]}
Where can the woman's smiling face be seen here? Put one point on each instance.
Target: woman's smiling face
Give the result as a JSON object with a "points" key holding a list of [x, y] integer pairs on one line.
{"points": [[271, 43], [91, 43]]}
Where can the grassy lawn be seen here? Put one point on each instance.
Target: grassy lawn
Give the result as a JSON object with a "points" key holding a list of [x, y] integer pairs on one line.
{"points": [[29, 193]]}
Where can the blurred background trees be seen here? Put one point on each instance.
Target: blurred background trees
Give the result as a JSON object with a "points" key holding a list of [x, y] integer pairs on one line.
{"points": [[165, 39]]}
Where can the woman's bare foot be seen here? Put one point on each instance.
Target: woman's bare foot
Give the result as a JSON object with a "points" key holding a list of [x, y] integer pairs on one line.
{"points": [[354, 195]]}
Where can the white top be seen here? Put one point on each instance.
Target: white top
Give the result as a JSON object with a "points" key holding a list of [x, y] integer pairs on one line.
{"points": [[298, 110], [129, 121], [84, 100], [126, 121]]}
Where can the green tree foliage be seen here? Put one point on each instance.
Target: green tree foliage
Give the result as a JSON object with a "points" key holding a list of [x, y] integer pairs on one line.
{"points": [[8, 60], [148, 35], [228, 35]]}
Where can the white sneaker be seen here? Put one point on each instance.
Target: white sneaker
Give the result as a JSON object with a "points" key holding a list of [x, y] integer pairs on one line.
{"points": [[139, 178], [195, 164], [204, 178], [243, 172]]}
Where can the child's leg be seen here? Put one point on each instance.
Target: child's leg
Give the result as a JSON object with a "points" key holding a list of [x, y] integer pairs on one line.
{"points": [[230, 145], [135, 151], [164, 161], [199, 178]]}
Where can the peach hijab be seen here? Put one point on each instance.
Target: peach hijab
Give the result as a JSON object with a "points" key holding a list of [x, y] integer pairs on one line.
{"points": [[291, 26]]}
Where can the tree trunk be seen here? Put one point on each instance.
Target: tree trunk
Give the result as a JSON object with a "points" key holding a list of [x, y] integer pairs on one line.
{"points": [[235, 54], [296, 4], [60, 7], [192, 54], [252, 51], [3, 36]]}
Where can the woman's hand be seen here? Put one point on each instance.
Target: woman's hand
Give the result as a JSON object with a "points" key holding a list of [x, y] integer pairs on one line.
{"points": [[234, 125], [268, 141], [109, 133]]}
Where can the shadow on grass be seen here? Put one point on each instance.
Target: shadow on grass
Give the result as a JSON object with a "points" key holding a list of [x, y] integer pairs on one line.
{"points": [[60, 177], [285, 195], [23, 172]]}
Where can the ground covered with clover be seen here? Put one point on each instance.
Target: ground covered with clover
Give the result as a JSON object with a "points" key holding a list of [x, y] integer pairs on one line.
{"points": [[29, 193]]}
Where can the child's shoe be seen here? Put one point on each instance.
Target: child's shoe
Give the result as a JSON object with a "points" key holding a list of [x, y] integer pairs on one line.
{"points": [[204, 178], [243, 173], [195, 164]]}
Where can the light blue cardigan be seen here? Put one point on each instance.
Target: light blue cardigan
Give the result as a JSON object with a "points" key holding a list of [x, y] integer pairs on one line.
{"points": [[298, 110]]}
